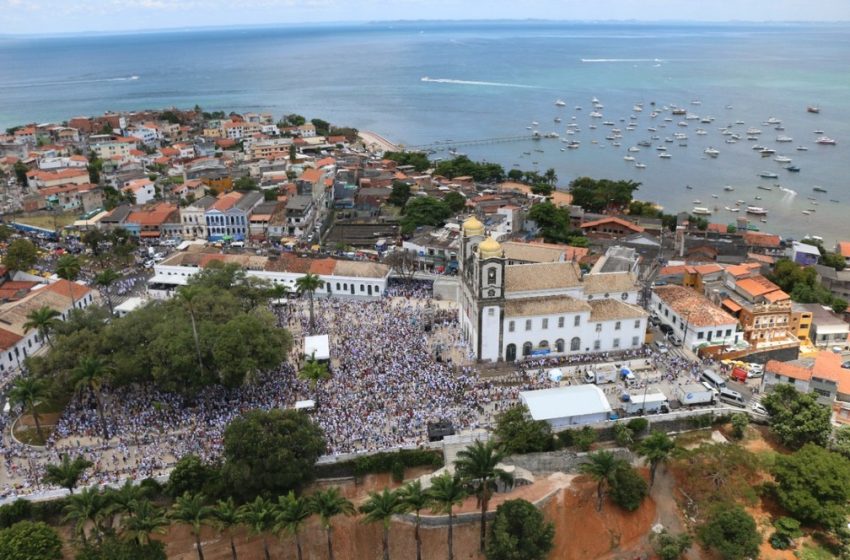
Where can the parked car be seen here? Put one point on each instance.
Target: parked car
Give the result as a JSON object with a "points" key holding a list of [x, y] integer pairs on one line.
{"points": [[846, 365], [674, 340], [758, 408], [666, 329], [661, 347]]}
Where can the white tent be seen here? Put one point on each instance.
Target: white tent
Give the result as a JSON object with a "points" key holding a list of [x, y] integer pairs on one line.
{"points": [[556, 375], [317, 347]]}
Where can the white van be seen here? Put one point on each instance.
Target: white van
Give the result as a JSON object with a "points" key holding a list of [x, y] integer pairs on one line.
{"points": [[238, 244], [732, 397], [715, 380]]}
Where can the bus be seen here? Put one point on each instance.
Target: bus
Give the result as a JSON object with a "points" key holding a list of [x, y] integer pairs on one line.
{"points": [[713, 379]]}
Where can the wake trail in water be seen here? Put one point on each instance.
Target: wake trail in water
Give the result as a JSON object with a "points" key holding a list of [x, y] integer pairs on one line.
{"points": [[69, 82], [474, 83]]}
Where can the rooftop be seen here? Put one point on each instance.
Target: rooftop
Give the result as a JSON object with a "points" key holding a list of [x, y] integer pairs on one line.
{"points": [[575, 400], [609, 283], [544, 306], [541, 276], [612, 309], [687, 303]]}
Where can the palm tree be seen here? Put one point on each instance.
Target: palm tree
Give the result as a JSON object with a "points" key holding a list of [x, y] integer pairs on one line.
{"points": [[43, 319], [601, 466], [292, 513], [380, 508], [122, 501], [67, 473], [551, 176], [259, 516], [415, 498], [656, 447], [446, 492], [68, 268], [29, 392], [313, 372], [145, 519], [188, 296], [308, 284], [89, 376], [226, 517], [477, 465], [189, 509], [105, 280], [87, 506], [327, 504]]}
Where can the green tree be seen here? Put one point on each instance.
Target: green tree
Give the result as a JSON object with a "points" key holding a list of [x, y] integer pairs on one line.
{"points": [[259, 517], [414, 498], [293, 154], [424, 211], [797, 418], [584, 438], [323, 128], [270, 452], [669, 546], [481, 172], [68, 268], [29, 392], [21, 254], [740, 421], [294, 119], [44, 320], [5, 233], [518, 433], [419, 160], [840, 442], [628, 488], [105, 280], [113, 548], [188, 296], [838, 305], [380, 508], [455, 201], [67, 472], [834, 260], [520, 532], [813, 485], [599, 195], [291, 514], [551, 176], [190, 509], [245, 183], [731, 532], [89, 375], [26, 540], [656, 448], [226, 517], [446, 492], [21, 169], [313, 372], [87, 507], [144, 520], [400, 194], [190, 474], [601, 466], [623, 435], [308, 284], [327, 504], [477, 465]]}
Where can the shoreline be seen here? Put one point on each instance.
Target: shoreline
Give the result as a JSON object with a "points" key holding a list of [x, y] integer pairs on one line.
{"points": [[372, 140]]}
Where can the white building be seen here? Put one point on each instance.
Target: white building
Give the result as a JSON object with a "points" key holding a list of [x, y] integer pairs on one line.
{"points": [[563, 407], [508, 312], [693, 318]]}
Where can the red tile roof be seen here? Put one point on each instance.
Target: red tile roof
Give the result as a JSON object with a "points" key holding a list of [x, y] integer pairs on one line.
{"points": [[615, 220], [788, 370], [312, 175], [66, 288], [226, 201], [762, 239], [844, 249], [8, 339]]}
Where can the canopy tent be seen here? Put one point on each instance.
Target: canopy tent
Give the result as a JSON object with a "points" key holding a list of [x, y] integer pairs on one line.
{"points": [[556, 375], [317, 347]]}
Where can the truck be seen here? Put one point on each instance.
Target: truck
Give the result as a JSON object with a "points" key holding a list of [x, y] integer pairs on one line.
{"points": [[694, 394], [645, 404], [602, 374]]}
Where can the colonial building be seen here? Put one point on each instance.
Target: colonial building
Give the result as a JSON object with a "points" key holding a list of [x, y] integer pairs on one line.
{"points": [[514, 311]]}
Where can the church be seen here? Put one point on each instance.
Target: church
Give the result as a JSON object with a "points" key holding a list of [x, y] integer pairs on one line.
{"points": [[519, 301]]}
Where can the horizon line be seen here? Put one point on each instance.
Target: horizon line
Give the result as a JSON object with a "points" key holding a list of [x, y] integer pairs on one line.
{"points": [[279, 25]]}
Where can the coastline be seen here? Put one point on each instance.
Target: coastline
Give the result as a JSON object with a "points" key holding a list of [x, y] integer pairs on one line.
{"points": [[374, 142]]}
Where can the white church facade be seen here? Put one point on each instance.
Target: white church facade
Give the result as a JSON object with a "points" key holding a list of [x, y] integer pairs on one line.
{"points": [[509, 312]]}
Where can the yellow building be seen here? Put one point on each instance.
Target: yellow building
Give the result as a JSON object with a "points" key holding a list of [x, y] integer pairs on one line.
{"points": [[801, 321]]}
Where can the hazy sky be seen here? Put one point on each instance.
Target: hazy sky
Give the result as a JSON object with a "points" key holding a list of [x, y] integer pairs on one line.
{"points": [[57, 16]]}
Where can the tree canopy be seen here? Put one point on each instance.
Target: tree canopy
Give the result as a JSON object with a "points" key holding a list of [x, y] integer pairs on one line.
{"points": [[554, 224], [462, 166], [732, 532], [598, 195], [270, 452], [26, 540], [518, 433], [813, 484], [424, 211], [21, 254], [797, 418], [519, 532], [801, 283], [419, 160]]}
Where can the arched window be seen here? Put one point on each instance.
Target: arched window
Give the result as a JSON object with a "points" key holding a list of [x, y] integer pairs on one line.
{"points": [[510, 353], [559, 345], [526, 349], [575, 344], [543, 344]]}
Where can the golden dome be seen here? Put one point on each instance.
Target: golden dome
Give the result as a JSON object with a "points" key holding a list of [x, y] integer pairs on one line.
{"points": [[490, 248], [472, 226]]}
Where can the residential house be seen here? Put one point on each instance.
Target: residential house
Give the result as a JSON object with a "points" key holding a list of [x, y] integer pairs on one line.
{"points": [[38, 179], [843, 249], [828, 330], [823, 376], [300, 215], [193, 218], [108, 149], [143, 190], [86, 197], [228, 217], [804, 254], [150, 222], [610, 227], [694, 319], [260, 218], [801, 321], [836, 281]]}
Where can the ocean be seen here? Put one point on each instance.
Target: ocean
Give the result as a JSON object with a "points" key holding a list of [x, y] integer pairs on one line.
{"points": [[493, 80]]}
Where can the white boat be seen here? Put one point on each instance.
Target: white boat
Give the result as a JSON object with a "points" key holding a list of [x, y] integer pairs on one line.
{"points": [[595, 115], [784, 139], [701, 132], [756, 211], [728, 209], [560, 103], [753, 132], [629, 158], [634, 149], [773, 121], [782, 159], [825, 141], [701, 211], [802, 149], [728, 188], [711, 152], [640, 165], [534, 123], [697, 201], [759, 148], [664, 155], [637, 108]]}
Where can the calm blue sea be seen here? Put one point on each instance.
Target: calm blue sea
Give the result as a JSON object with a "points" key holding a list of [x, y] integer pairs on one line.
{"points": [[493, 80]]}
